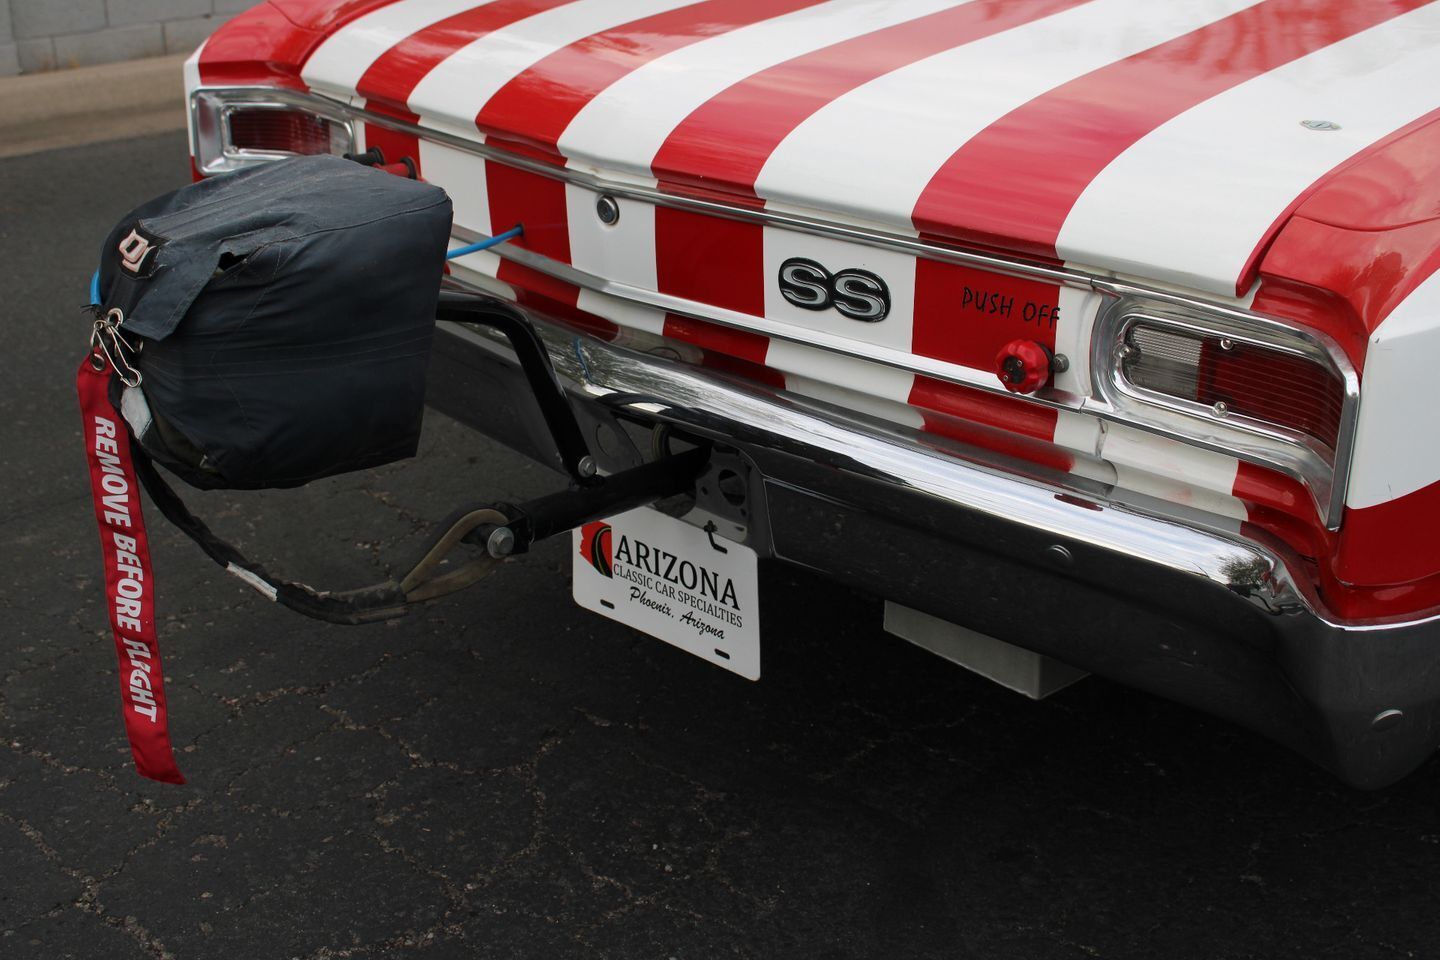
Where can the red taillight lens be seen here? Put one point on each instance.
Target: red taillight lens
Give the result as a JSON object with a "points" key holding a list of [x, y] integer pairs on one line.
{"points": [[1235, 378], [284, 131], [1274, 387]]}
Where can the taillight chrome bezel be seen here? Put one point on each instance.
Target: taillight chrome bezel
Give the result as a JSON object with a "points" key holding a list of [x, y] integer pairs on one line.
{"points": [[1321, 468], [210, 111]]}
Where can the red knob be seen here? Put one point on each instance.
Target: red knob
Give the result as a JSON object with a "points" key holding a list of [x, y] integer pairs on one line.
{"points": [[1023, 366]]}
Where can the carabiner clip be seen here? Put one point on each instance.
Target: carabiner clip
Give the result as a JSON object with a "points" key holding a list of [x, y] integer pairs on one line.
{"points": [[105, 337]]}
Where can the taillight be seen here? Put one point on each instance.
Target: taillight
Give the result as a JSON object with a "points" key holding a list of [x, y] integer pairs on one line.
{"points": [[240, 127], [1236, 379], [285, 131], [1249, 386]]}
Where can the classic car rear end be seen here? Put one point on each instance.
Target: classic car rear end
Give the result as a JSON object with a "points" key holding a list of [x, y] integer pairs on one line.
{"points": [[1099, 328]]}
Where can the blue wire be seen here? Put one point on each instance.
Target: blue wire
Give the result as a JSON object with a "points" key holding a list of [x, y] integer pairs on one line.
{"points": [[479, 245], [95, 288]]}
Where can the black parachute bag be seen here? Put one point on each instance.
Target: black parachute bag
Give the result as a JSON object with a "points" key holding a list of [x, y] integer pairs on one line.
{"points": [[271, 327], [280, 318], [261, 329]]}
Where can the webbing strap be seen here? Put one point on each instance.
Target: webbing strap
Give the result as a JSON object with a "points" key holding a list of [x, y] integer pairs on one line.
{"points": [[129, 577]]}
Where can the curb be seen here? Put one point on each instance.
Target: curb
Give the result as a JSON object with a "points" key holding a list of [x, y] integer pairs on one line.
{"points": [[33, 106]]}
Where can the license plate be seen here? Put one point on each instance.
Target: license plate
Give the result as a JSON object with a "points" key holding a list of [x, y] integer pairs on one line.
{"points": [[674, 581]]}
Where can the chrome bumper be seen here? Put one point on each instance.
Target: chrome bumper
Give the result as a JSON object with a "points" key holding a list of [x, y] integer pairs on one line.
{"points": [[1135, 589]]}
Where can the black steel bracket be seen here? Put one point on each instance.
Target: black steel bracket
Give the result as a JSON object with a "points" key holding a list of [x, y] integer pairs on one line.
{"points": [[461, 307], [561, 512], [593, 496]]}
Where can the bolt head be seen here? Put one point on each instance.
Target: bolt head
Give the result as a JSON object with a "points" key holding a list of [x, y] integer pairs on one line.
{"points": [[586, 467], [501, 542], [1221, 408]]}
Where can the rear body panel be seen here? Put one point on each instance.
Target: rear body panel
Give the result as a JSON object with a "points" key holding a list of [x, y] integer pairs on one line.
{"points": [[1009, 170]]}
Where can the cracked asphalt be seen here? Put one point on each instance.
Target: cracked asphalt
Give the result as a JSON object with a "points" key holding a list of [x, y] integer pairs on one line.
{"points": [[504, 775]]}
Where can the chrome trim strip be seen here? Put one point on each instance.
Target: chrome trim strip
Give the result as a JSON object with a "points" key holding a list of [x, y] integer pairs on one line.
{"points": [[890, 357], [1167, 423]]}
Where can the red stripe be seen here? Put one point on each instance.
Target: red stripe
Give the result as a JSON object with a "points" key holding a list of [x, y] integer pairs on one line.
{"points": [[1377, 209], [1282, 506], [260, 46], [267, 43], [1014, 184], [1385, 186], [995, 422], [725, 348], [521, 197], [395, 74], [725, 142], [539, 103], [741, 344], [538, 202], [1392, 542], [720, 262], [326, 16], [966, 316], [743, 368], [710, 260], [555, 299], [393, 144], [990, 409]]}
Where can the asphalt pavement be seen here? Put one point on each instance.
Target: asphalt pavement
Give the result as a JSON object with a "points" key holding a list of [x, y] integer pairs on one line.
{"points": [[502, 774]]}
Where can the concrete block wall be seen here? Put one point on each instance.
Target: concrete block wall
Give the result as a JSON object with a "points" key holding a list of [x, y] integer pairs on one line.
{"points": [[39, 35]]}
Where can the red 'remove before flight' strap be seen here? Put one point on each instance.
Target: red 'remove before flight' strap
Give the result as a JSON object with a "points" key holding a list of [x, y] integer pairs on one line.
{"points": [[129, 579]]}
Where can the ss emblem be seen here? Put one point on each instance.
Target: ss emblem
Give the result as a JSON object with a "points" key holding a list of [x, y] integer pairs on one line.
{"points": [[857, 294]]}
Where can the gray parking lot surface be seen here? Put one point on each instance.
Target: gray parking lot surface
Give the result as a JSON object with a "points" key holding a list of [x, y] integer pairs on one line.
{"points": [[503, 775]]}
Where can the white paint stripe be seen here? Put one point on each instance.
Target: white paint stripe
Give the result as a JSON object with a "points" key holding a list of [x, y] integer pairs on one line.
{"points": [[624, 251], [344, 56], [1396, 452], [849, 399], [192, 68], [1172, 471], [908, 123], [191, 72], [460, 86], [875, 379], [1198, 193], [1078, 309], [1079, 432], [463, 177], [623, 312], [627, 123], [896, 268]]}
